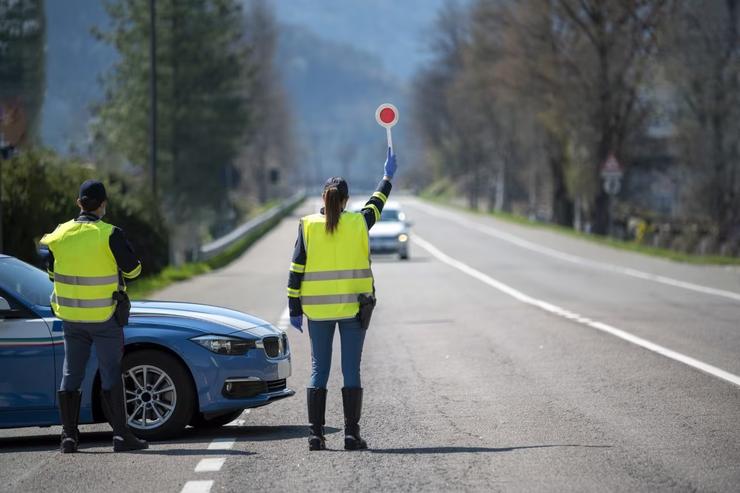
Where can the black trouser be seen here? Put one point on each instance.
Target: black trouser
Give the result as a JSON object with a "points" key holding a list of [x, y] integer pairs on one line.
{"points": [[78, 337]]}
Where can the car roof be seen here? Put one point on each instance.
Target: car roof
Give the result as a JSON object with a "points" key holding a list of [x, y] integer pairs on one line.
{"points": [[391, 205]]}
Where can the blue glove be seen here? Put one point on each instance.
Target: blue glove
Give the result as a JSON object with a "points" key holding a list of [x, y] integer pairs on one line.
{"points": [[390, 164], [296, 322]]}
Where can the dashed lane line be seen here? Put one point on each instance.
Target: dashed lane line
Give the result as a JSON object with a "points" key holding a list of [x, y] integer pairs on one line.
{"points": [[197, 486], [551, 252], [561, 312], [221, 444], [210, 464]]}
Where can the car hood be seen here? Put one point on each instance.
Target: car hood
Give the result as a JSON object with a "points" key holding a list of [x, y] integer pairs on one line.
{"points": [[199, 318], [388, 228]]}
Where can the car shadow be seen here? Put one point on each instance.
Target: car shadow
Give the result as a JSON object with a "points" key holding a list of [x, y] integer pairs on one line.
{"points": [[190, 436], [472, 450]]}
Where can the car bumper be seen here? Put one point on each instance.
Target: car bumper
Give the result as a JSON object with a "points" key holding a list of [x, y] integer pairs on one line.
{"points": [[212, 376], [387, 245]]}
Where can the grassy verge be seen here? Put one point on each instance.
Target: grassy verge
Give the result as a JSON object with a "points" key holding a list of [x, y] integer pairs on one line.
{"points": [[601, 240], [141, 288]]}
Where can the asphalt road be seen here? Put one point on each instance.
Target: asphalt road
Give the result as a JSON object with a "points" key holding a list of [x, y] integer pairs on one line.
{"points": [[500, 358]]}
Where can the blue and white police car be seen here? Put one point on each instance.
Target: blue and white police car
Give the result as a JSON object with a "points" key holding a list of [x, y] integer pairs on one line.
{"points": [[184, 364]]}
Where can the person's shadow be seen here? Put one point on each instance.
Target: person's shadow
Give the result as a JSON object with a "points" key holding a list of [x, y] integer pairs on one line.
{"points": [[473, 450]]}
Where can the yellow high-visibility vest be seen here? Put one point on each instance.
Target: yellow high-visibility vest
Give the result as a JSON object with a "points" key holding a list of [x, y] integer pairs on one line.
{"points": [[337, 267], [85, 271]]}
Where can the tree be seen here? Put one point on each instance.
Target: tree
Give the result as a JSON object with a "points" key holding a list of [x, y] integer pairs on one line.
{"points": [[22, 39], [202, 110], [701, 51]]}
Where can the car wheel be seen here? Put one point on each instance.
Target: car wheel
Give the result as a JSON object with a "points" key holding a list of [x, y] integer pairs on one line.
{"points": [[216, 422], [404, 255], [159, 394]]}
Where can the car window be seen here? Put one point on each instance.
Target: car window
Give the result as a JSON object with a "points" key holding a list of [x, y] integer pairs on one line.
{"points": [[390, 215], [25, 281]]}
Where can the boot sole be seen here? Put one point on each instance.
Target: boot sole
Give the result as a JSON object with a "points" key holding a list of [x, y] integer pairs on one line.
{"points": [[354, 444], [316, 444]]}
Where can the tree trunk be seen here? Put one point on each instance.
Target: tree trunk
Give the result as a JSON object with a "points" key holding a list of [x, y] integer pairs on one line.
{"points": [[562, 205]]}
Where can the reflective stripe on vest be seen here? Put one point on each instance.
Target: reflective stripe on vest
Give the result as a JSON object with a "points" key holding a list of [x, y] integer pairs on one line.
{"points": [[85, 271], [337, 267]]}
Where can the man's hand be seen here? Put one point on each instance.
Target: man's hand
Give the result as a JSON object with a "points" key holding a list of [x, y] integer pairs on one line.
{"points": [[296, 322], [390, 164]]}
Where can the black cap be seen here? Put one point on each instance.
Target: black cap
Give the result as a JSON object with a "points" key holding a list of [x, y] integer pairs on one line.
{"points": [[92, 192], [339, 183]]}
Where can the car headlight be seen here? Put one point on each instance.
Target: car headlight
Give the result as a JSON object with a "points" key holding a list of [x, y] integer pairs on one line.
{"points": [[403, 238], [232, 346]]}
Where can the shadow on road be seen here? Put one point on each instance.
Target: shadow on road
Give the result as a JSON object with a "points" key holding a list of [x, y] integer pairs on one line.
{"points": [[472, 450], [191, 436]]}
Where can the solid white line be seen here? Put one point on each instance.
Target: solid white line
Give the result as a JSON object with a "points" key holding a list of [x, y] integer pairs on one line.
{"points": [[551, 252], [197, 487], [211, 464], [556, 310], [221, 444]]}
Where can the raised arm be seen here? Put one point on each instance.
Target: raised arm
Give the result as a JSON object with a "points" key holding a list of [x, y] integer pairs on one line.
{"points": [[374, 206]]}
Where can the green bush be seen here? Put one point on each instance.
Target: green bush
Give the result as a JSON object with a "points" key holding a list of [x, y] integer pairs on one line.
{"points": [[39, 190]]}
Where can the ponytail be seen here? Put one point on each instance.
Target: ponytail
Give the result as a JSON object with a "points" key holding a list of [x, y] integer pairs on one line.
{"points": [[333, 208]]}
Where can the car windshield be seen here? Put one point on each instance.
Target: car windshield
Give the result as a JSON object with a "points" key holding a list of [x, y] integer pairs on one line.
{"points": [[390, 215], [25, 281]]}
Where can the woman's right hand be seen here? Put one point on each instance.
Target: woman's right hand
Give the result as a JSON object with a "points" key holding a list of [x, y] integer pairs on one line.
{"points": [[390, 164], [297, 322]]}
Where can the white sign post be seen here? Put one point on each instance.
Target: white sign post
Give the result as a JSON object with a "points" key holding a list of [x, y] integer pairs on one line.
{"points": [[387, 116]]}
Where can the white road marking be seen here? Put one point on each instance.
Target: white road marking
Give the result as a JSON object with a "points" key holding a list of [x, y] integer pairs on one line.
{"points": [[211, 464], [551, 252], [239, 421], [284, 321], [197, 487], [221, 444], [561, 312]]}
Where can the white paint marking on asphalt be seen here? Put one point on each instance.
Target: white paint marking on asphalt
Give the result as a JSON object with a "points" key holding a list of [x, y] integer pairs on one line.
{"points": [[556, 310], [221, 444], [197, 487], [551, 252], [284, 321], [211, 464]]}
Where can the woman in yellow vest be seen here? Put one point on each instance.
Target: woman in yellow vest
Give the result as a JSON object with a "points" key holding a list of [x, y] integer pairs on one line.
{"points": [[329, 272]]}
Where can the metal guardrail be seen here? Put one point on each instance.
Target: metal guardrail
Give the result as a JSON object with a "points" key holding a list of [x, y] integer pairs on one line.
{"points": [[217, 246]]}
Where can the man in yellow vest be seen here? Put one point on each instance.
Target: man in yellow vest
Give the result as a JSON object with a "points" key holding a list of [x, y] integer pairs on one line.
{"points": [[88, 261]]}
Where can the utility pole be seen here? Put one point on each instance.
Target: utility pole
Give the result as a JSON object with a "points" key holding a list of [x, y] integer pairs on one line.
{"points": [[153, 95]]}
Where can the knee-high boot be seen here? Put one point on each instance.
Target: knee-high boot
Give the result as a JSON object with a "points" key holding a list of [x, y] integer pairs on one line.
{"points": [[113, 407], [352, 401], [316, 399], [69, 412]]}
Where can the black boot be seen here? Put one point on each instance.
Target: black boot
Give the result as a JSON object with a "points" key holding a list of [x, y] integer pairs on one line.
{"points": [[316, 399], [352, 400], [69, 412], [113, 407]]}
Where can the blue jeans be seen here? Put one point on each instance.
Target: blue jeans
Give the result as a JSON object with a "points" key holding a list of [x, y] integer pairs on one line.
{"points": [[352, 337], [108, 340]]}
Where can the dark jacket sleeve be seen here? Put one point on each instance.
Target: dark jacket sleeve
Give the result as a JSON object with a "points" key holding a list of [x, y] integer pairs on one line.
{"points": [[374, 206], [126, 259], [297, 269]]}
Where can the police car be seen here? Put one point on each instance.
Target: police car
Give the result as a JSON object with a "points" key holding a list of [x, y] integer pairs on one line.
{"points": [[391, 233], [184, 364]]}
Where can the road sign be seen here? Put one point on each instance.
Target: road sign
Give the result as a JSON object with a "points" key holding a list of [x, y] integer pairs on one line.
{"points": [[612, 184], [387, 116], [611, 167]]}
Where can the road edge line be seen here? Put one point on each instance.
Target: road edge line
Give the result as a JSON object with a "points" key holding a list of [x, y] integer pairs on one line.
{"points": [[561, 312]]}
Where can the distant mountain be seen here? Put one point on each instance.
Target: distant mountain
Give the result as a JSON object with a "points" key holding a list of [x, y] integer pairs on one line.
{"points": [[395, 31], [335, 89]]}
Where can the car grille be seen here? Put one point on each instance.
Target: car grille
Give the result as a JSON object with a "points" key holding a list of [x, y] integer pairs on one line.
{"points": [[251, 388], [272, 346]]}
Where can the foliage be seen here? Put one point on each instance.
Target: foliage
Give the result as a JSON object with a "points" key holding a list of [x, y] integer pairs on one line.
{"points": [[40, 190], [22, 40]]}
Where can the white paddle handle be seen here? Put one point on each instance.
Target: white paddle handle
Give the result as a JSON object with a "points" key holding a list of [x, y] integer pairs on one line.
{"points": [[390, 139]]}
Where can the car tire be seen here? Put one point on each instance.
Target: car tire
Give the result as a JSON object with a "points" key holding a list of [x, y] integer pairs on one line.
{"points": [[175, 406], [201, 422], [404, 255]]}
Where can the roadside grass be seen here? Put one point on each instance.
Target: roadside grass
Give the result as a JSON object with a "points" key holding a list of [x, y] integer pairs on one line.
{"points": [[139, 289], [601, 240]]}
